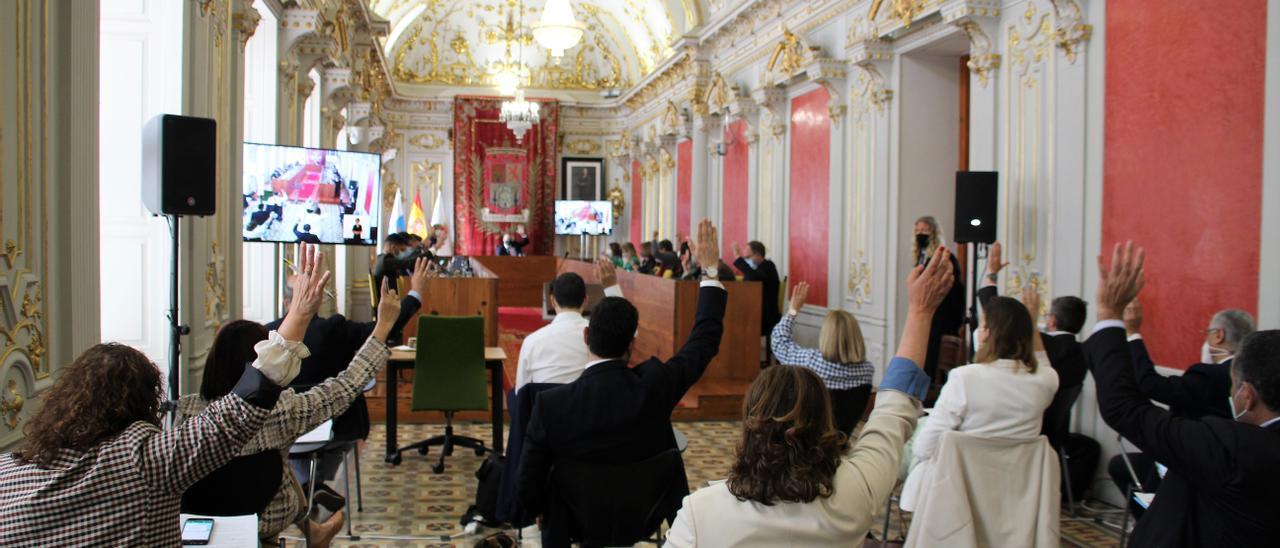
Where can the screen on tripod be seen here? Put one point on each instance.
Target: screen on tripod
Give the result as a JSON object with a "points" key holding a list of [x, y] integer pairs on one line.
{"points": [[295, 194]]}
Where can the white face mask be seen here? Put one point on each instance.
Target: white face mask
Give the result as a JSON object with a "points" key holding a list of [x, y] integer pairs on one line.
{"points": [[751, 262], [1211, 354], [1231, 400]]}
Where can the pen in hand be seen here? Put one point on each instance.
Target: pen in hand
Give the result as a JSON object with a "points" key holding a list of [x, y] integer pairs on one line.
{"points": [[293, 268]]}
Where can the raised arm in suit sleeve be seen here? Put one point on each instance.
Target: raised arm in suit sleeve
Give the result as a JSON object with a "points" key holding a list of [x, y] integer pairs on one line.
{"points": [[749, 273], [986, 293], [686, 367], [1185, 392], [1188, 445]]}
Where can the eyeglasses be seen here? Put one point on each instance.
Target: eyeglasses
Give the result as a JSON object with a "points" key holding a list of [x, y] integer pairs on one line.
{"points": [[1211, 330]]}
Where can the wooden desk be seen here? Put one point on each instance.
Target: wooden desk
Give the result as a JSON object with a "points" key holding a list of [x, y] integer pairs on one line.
{"points": [[667, 311], [404, 359], [520, 279], [474, 296]]}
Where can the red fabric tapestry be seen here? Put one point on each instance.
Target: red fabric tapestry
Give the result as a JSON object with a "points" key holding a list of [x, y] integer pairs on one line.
{"points": [[500, 183]]}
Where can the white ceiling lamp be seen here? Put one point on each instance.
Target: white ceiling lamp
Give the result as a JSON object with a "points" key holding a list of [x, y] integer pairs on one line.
{"points": [[558, 31], [520, 115]]}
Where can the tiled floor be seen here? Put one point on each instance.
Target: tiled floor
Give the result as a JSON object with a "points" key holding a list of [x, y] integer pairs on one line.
{"points": [[408, 500]]}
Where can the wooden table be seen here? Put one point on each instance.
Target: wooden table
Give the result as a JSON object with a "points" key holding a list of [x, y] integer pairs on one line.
{"points": [[494, 356]]}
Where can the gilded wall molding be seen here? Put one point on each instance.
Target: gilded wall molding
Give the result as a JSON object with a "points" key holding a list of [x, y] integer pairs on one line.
{"points": [[427, 141], [581, 147], [1070, 32]]}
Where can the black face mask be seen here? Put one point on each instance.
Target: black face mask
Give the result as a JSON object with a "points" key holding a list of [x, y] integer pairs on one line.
{"points": [[922, 241]]}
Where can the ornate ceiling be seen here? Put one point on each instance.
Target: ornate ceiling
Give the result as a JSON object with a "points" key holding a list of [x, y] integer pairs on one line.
{"points": [[449, 43]]}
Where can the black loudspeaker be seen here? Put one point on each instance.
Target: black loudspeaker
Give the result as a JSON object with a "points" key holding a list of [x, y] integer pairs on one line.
{"points": [[179, 165], [976, 200]]}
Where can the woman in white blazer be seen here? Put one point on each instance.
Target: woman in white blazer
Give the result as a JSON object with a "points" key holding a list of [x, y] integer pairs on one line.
{"points": [[797, 480], [1002, 395]]}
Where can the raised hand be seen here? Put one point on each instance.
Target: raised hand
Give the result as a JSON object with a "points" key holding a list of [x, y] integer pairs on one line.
{"points": [[1133, 317], [309, 283], [423, 271], [928, 285], [1121, 283], [308, 291], [606, 272], [1031, 299], [388, 309], [707, 249], [995, 259], [798, 295], [737, 250]]}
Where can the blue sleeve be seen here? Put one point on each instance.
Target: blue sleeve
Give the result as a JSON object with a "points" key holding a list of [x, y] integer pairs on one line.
{"points": [[903, 375]]}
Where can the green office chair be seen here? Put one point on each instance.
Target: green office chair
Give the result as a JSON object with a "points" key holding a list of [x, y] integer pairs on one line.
{"points": [[449, 375]]}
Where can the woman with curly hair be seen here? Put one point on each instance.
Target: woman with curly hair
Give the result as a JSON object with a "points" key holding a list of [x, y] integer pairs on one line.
{"points": [[797, 480], [95, 469]]}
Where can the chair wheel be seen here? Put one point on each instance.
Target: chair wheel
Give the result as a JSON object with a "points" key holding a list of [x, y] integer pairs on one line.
{"points": [[393, 460], [423, 450], [479, 451], [438, 467]]}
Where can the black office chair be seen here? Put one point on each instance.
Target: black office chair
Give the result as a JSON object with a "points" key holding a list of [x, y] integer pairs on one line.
{"points": [[587, 507], [243, 486]]}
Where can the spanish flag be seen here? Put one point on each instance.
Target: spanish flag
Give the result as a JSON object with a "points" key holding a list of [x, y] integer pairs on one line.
{"points": [[417, 218]]}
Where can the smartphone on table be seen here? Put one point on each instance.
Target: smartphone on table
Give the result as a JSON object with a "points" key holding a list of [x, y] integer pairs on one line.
{"points": [[196, 531]]}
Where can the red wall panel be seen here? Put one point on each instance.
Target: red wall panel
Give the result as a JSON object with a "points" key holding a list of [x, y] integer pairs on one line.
{"points": [[1183, 160], [810, 192], [637, 203], [684, 185], [736, 189]]}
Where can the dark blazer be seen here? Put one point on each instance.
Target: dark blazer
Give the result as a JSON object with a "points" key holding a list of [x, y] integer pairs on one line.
{"points": [[767, 274], [1222, 481], [1066, 357], [1200, 392], [333, 343], [950, 314], [617, 415], [306, 237]]}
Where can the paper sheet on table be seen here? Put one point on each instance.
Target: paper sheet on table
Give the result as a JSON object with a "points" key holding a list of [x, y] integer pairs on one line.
{"points": [[1144, 499], [322, 433], [229, 532], [402, 348]]}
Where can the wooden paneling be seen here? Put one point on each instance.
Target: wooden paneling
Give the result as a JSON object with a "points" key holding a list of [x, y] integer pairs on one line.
{"points": [[667, 309], [520, 279], [476, 296]]}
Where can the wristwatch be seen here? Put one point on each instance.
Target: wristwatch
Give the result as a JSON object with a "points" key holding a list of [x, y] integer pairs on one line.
{"points": [[993, 276], [711, 273]]}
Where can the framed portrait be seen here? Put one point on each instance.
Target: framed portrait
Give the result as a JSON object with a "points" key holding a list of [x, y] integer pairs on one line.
{"points": [[582, 179]]}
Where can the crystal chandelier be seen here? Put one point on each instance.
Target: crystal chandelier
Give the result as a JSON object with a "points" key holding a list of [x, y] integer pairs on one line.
{"points": [[519, 115], [557, 31]]}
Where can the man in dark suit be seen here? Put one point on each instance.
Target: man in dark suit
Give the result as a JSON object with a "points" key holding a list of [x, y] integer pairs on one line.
{"points": [[304, 235], [756, 268], [1066, 318], [1224, 474], [614, 414], [1201, 391], [333, 343]]}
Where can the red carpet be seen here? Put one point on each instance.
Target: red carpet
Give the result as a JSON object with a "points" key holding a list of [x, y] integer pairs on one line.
{"points": [[514, 324]]}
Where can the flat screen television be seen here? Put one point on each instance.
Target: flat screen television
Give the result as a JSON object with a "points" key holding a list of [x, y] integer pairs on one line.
{"points": [[577, 217], [296, 194]]}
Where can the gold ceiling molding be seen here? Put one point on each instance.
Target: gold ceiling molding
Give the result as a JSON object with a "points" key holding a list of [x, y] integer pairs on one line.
{"points": [[671, 119], [1070, 32], [582, 147], [981, 60], [427, 141], [719, 95]]}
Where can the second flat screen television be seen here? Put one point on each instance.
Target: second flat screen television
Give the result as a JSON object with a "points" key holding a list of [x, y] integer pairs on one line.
{"points": [[576, 217], [296, 194]]}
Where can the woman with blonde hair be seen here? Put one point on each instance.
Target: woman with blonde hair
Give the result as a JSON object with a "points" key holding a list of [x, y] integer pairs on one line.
{"points": [[840, 359]]}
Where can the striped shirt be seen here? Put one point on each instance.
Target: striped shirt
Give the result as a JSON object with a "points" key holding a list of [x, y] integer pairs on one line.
{"points": [[294, 415], [837, 376]]}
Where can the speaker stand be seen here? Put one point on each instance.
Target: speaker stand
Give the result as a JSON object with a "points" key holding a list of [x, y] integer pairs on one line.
{"points": [[176, 328], [979, 252]]}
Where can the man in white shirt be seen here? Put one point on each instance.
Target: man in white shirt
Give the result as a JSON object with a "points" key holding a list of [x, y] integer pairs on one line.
{"points": [[557, 353]]}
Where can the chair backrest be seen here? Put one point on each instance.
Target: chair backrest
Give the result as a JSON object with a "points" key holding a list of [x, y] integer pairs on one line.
{"points": [[449, 372], [245, 485], [1057, 418], [617, 504], [985, 491]]}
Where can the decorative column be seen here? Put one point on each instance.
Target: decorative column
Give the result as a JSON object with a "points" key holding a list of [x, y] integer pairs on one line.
{"points": [[706, 201], [980, 20], [772, 165]]}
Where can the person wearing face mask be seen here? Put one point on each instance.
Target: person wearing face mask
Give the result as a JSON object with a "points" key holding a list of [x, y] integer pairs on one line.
{"points": [[1222, 480], [1199, 392], [756, 268], [950, 316]]}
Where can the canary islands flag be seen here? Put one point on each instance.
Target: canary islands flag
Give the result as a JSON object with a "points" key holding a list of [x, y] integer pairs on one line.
{"points": [[397, 214]]}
